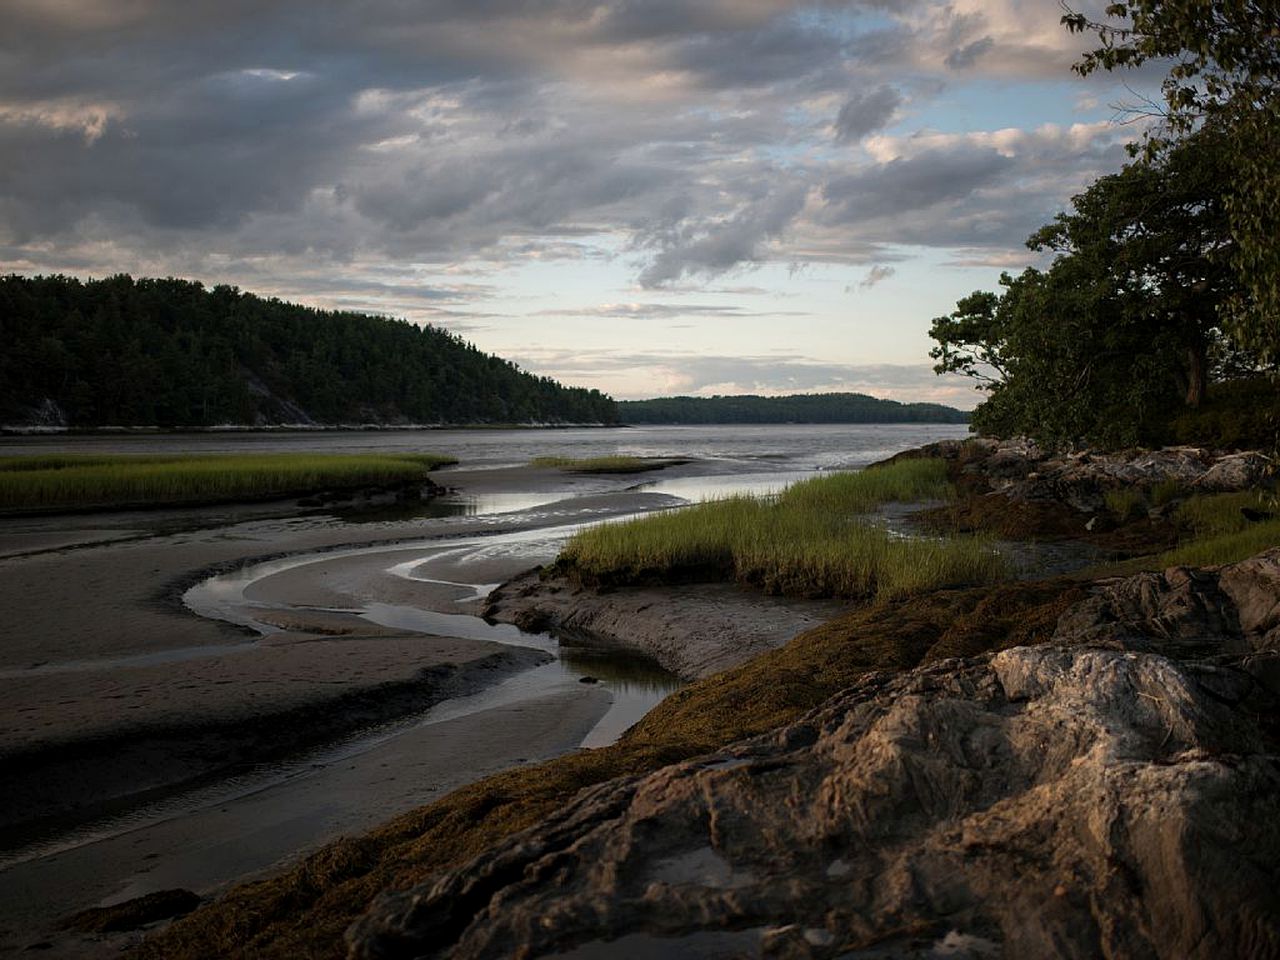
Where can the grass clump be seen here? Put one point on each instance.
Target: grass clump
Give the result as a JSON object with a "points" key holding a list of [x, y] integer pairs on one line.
{"points": [[71, 481], [1125, 502], [610, 464], [811, 540], [1225, 527]]}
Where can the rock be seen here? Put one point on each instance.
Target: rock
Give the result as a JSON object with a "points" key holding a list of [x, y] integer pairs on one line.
{"points": [[693, 630], [1232, 610], [588, 679], [1059, 801], [1081, 479], [1239, 471]]}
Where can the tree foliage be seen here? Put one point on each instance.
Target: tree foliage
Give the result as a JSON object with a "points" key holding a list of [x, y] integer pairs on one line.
{"points": [[1071, 368], [172, 353], [1124, 328], [1167, 273], [1224, 75]]}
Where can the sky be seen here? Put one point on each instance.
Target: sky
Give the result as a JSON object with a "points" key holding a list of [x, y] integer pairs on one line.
{"points": [[648, 197]]}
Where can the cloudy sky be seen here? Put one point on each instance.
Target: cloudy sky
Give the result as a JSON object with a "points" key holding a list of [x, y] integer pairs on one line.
{"points": [[646, 196]]}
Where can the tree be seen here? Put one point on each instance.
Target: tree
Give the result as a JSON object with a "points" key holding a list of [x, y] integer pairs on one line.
{"points": [[1126, 326], [1224, 76], [1065, 359], [172, 353], [1158, 232], [972, 340]]}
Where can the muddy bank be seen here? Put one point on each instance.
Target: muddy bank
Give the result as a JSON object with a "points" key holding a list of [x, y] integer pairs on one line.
{"points": [[123, 713], [110, 766], [692, 630]]}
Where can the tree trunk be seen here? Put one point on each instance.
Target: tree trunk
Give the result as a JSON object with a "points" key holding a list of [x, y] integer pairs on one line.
{"points": [[1197, 374]]}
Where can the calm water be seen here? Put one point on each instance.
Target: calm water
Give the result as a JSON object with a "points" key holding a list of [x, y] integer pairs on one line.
{"points": [[758, 448]]}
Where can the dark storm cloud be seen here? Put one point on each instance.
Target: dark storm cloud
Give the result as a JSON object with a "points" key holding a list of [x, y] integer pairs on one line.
{"points": [[205, 154], [969, 192], [714, 248], [780, 51], [866, 112]]}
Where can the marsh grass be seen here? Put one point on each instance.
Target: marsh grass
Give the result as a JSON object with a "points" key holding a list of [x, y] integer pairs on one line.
{"points": [[1125, 502], [74, 481], [811, 540], [1221, 532], [611, 464]]}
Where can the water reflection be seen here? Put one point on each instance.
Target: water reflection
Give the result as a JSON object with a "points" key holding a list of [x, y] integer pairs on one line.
{"points": [[697, 489], [626, 671], [448, 505]]}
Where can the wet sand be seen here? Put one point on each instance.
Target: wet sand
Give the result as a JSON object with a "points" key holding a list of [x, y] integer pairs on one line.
{"points": [[111, 687], [224, 842], [334, 680]]}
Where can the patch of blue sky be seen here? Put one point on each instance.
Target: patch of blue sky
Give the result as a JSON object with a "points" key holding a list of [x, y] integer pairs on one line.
{"points": [[993, 104]]}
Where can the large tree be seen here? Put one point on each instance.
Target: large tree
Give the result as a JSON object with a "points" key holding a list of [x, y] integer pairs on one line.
{"points": [[1063, 357], [1224, 74], [1158, 234], [1124, 326]]}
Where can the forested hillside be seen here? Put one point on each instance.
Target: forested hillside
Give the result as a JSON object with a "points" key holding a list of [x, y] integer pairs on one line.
{"points": [[801, 408], [171, 353]]}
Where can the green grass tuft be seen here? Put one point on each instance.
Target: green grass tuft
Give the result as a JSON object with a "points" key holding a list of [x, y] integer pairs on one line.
{"points": [[1125, 502], [1222, 532], [811, 540], [77, 482]]}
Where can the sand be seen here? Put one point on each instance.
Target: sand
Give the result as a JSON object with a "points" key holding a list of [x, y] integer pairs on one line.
{"points": [[109, 686], [153, 748]]}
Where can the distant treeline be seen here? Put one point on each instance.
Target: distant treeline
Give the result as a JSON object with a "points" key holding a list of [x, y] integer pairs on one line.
{"points": [[171, 353], [801, 408]]}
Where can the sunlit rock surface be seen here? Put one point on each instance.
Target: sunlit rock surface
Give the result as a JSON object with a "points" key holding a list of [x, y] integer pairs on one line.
{"points": [[1114, 793]]}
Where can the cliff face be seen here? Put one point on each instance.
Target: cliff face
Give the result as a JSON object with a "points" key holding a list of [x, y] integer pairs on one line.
{"points": [[1112, 793]]}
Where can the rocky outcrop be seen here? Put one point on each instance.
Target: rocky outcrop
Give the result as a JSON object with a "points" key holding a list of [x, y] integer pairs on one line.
{"points": [[1096, 796], [1229, 611], [1023, 472], [1081, 480]]}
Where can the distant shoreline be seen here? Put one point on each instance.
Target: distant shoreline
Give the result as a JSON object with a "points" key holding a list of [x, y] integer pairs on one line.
{"points": [[37, 431], [13, 430]]}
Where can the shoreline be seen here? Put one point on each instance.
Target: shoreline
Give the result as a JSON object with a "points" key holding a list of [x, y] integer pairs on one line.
{"points": [[146, 617], [13, 430], [673, 806], [194, 700]]}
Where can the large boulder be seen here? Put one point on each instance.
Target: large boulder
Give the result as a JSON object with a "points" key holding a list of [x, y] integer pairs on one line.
{"points": [[1070, 800]]}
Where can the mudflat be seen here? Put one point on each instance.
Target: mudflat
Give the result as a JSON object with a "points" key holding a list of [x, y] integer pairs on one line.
{"points": [[118, 698]]}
